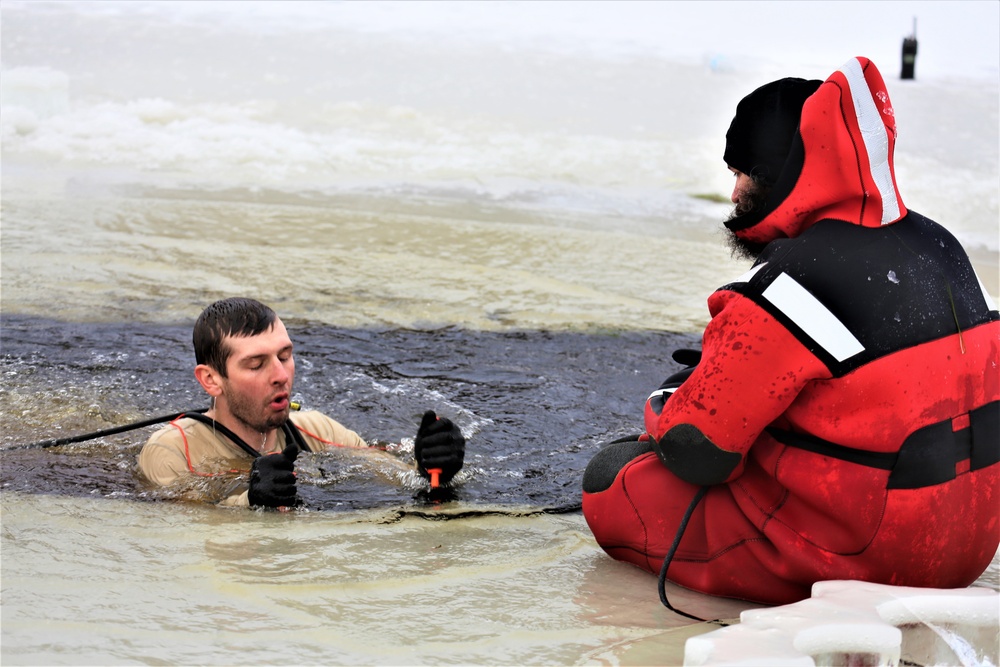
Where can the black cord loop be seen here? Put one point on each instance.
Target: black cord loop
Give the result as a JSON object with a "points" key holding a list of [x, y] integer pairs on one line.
{"points": [[58, 442], [662, 583]]}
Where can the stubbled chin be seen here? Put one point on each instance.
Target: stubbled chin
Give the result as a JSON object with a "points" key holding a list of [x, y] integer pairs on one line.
{"points": [[276, 419]]}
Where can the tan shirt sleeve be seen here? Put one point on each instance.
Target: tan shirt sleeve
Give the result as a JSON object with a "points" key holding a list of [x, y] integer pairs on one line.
{"points": [[191, 462], [160, 461], [322, 432]]}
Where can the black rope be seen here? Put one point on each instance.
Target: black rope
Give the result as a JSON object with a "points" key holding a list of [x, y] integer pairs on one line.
{"points": [[292, 434], [670, 556], [110, 431]]}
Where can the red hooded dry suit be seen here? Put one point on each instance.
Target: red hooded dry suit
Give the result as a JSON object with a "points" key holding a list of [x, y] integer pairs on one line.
{"points": [[846, 410]]}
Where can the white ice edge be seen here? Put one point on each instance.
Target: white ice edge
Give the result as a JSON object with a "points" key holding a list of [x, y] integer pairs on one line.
{"points": [[850, 617]]}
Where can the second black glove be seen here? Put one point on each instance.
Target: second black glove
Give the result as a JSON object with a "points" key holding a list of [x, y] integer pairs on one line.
{"points": [[439, 444], [685, 357]]}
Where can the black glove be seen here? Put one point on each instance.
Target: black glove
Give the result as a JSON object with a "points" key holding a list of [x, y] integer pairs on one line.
{"points": [[685, 357], [439, 444], [272, 480]]}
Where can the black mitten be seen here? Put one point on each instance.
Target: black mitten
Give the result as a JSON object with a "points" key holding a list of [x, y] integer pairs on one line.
{"points": [[685, 357], [272, 479], [439, 444]]}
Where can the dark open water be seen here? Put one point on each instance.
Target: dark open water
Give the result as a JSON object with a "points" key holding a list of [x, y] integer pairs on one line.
{"points": [[534, 406]]}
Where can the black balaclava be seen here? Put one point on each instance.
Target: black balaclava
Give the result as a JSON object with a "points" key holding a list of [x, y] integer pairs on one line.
{"points": [[761, 133]]}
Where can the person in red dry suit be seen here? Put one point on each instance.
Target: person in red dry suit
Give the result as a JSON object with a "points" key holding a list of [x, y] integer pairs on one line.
{"points": [[844, 416]]}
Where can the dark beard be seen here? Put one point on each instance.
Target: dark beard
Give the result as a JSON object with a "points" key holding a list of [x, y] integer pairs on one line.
{"points": [[740, 248], [246, 413]]}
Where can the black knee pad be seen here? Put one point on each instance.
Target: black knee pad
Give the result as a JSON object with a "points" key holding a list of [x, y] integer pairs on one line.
{"points": [[604, 467]]}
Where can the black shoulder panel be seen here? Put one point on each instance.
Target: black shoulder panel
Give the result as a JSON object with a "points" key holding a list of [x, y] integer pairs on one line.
{"points": [[892, 288]]}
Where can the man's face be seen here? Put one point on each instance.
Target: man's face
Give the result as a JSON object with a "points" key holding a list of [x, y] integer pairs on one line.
{"points": [[743, 192], [261, 370], [748, 196]]}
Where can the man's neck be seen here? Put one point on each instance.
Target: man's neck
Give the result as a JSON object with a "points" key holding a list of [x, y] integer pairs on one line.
{"points": [[260, 442]]}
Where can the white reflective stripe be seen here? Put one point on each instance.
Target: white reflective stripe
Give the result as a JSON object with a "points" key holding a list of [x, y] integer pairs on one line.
{"points": [[813, 317], [745, 278], [661, 392], [876, 138]]}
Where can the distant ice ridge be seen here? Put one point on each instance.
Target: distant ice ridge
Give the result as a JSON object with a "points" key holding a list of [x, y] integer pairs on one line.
{"points": [[355, 146], [859, 623]]}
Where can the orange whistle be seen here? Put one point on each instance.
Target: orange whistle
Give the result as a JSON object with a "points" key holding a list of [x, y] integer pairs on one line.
{"points": [[434, 473]]}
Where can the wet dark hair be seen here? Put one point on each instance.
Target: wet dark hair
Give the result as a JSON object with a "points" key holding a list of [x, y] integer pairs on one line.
{"points": [[235, 316]]}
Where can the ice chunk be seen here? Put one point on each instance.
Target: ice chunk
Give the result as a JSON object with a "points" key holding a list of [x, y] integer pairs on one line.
{"points": [[851, 638], [859, 623]]}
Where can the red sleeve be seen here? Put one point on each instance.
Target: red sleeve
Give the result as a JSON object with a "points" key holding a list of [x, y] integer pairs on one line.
{"points": [[752, 368]]}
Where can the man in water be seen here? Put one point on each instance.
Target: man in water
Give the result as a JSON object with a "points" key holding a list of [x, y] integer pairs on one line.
{"points": [[245, 363], [843, 420]]}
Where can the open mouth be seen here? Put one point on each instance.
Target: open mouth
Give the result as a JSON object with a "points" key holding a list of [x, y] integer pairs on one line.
{"points": [[279, 402]]}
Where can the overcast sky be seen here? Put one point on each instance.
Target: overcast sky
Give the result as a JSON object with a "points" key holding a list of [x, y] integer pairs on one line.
{"points": [[955, 37]]}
